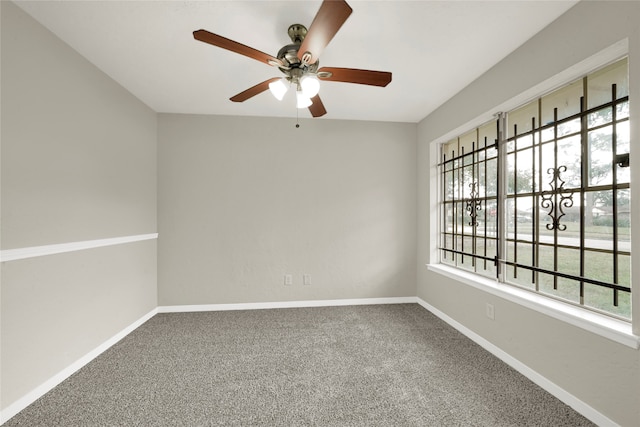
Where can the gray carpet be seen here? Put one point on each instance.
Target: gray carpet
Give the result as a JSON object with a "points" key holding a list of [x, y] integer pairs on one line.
{"points": [[383, 365]]}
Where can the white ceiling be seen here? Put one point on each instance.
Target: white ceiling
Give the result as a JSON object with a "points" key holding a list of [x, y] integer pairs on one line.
{"points": [[433, 48]]}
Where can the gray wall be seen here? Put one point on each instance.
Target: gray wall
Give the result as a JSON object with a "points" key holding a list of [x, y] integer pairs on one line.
{"points": [[243, 201], [78, 163], [604, 374]]}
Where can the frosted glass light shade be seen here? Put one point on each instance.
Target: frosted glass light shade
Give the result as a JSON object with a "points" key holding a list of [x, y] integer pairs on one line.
{"points": [[278, 88], [302, 101], [310, 86]]}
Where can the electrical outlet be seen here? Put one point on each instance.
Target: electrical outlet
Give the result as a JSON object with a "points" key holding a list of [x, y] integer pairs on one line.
{"points": [[306, 279], [491, 314], [288, 279]]}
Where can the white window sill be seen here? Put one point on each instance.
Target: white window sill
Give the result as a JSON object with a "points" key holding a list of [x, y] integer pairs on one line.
{"points": [[607, 327]]}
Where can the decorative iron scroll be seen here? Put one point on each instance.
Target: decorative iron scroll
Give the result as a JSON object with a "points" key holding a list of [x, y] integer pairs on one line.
{"points": [[556, 200], [473, 205]]}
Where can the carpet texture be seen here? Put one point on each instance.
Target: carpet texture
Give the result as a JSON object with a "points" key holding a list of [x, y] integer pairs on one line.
{"points": [[381, 365]]}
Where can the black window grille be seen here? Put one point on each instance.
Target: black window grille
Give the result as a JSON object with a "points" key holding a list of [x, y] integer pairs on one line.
{"points": [[469, 216], [554, 175]]}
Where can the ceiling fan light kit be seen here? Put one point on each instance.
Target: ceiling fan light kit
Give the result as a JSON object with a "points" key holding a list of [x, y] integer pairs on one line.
{"points": [[279, 88], [302, 101], [310, 85], [298, 61]]}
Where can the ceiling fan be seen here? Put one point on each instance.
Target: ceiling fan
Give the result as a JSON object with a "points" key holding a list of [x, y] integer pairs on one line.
{"points": [[299, 60]]}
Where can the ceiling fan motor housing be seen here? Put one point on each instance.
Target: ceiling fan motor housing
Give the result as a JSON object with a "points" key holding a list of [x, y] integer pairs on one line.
{"points": [[291, 66]]}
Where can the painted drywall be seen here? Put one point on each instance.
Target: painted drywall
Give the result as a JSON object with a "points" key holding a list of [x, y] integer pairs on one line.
{"points": [[603, 374], [244, 201], [78, 163], [79, 151]]}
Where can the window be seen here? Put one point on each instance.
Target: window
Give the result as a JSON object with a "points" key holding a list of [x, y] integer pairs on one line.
{"points": [[539, 198]]}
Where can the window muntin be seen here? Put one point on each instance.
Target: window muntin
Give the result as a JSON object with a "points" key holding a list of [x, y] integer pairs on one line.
{"points": [[565, 201]]}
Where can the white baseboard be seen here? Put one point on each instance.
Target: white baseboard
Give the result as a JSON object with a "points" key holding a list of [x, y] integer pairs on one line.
{"points": [[48, 385], [563, 395], [284, 304]]}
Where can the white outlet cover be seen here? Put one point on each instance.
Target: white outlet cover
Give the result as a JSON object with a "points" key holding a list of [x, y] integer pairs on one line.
{"points": [[288, 279], [490, 311]]}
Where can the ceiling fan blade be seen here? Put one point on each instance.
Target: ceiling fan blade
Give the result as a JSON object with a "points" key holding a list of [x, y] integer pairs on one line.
{"points": [[253, 90], [317, 108], [352, 75], [228, 44], [325, 25]]}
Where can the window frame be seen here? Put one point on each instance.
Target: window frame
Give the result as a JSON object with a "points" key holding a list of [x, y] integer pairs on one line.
{"points": [[571, 194], [610, 327]]}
